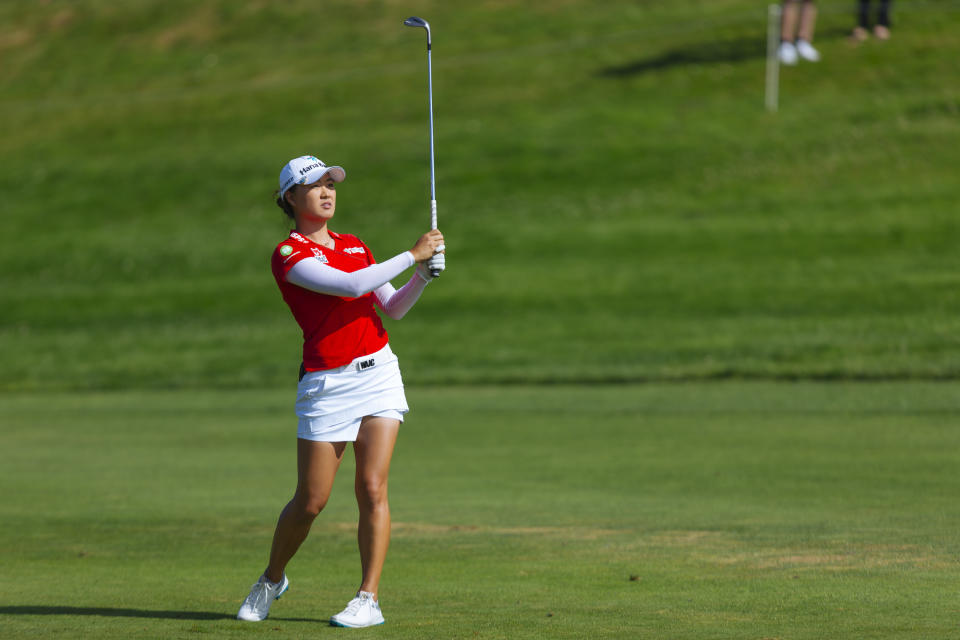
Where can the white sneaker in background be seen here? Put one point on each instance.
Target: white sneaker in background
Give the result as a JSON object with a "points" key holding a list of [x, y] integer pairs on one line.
{"points": [[807, 52], [787, 53], [362, 611], [262, 594]]}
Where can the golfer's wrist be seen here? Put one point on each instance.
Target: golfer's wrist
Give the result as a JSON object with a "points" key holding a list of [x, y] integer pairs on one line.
{"points": [[418, 258], [423, 272]]}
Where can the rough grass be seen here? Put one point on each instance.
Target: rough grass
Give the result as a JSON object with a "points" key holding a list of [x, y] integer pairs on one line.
{"points": [[618, 205]]}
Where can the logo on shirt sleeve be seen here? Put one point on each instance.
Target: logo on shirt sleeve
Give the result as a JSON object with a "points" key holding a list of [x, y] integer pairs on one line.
{"points": [[286, 250]]}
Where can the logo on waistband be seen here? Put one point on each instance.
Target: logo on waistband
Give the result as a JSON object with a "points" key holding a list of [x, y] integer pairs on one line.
{"points": [[366, 364]]}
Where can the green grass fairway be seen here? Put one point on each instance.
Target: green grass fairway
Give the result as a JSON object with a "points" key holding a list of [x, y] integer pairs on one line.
{"points": [[724, 510]]}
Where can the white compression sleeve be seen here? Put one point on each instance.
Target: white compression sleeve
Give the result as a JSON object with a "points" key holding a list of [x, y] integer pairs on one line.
{"points": [[396, 303], [322, 278]]}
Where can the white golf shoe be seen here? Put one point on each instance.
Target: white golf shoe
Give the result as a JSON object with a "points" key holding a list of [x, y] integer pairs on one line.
{"points": [[262, 594], [807, 52], [787, 53], [362, 611]]}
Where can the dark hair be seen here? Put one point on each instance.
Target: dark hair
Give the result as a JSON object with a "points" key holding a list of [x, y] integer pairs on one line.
{"points": [[284, 204]]}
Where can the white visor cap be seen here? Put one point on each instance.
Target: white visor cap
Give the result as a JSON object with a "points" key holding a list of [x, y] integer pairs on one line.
{"points": [[307, 170]]}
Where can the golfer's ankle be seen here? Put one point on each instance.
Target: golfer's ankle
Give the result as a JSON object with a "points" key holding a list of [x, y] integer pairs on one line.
{"points": [[275, 578]]}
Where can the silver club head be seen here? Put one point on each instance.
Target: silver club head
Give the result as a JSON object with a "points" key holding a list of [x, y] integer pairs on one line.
{"points": [[414, 21]]}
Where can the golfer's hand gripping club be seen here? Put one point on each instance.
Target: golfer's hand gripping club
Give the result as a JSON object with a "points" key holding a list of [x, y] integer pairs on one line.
{"points": [[436, 265], [438, 262], [429, 247]]}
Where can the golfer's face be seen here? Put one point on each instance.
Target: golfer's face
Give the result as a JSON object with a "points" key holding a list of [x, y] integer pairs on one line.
{"points": [[316, 200]]}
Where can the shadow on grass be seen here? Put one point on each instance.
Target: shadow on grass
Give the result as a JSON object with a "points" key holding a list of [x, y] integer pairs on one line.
{"points": [[719, 51], [707, 52], [110, 612]]}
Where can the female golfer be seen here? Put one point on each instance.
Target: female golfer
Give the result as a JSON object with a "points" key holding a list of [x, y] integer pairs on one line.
{"points": [[350, 387]]}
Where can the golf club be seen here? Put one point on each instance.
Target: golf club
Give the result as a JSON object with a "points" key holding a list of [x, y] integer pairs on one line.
{"points": [[437, 263]]}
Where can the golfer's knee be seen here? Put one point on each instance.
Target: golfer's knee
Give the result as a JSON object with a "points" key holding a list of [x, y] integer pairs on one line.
{"points": [[372, 490], [308, 506]]}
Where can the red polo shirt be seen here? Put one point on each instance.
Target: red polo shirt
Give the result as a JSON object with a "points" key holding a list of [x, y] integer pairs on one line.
{"points": [[335, 330]]}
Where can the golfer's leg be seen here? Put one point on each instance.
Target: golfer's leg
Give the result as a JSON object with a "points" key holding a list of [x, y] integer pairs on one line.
{"points": [[317, 464], [374, 449]]}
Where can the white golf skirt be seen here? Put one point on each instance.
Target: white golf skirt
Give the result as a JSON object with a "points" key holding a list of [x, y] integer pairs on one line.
{"points": [[331, 403]]}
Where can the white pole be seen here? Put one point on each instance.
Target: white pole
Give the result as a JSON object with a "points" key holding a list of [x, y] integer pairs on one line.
{"points": [[773, 61]]}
